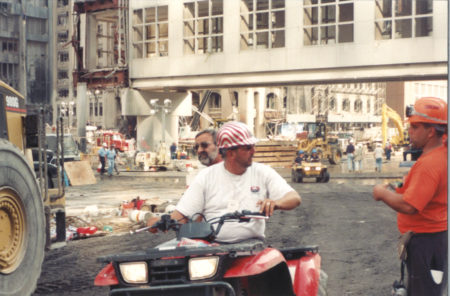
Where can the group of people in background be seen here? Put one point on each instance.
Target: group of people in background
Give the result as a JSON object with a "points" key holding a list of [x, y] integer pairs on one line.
{"points": [[109, 155], [355, 156], [302, 156]]}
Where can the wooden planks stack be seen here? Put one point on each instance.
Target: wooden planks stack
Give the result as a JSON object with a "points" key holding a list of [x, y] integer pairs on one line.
{"points": [[277, 154]]}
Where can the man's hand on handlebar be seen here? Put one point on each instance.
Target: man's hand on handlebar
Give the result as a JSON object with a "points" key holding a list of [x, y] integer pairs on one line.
{"points": [[152, 221], [267, 206]]}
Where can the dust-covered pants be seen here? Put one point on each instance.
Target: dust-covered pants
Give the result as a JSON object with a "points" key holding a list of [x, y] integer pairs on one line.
{"points": [[426, 251]]}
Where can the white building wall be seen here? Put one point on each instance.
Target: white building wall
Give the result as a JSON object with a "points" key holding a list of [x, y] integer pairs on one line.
{"points": [[307, 63]]}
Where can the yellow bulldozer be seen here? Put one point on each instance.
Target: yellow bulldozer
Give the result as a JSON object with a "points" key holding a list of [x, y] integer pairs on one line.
{"points": [[316, 136], [26, 202]]}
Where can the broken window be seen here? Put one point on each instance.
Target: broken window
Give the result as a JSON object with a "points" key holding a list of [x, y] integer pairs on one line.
{"points": [[398, 19], [328, 22], [203, 26], [262, 24], [151, 32]]}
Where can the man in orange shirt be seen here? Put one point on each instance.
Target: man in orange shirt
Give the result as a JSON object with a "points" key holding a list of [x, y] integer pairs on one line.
{"points": [[421, 203]]}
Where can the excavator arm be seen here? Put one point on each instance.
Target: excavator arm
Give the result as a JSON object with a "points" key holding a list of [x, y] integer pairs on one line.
{"points": [[389, 113]]}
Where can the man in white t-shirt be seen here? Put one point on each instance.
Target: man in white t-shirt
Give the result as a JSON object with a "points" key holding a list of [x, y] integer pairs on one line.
{"points": [[236, 184]]}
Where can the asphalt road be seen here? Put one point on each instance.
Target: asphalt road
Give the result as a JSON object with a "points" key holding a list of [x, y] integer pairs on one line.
{"points": [[356, 238]]}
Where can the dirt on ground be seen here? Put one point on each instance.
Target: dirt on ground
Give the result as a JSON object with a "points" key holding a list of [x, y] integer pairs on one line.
{"points": [[356, 238]]}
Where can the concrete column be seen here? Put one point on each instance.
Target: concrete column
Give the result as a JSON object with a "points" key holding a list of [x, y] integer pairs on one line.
{"points": [[81, 114]]}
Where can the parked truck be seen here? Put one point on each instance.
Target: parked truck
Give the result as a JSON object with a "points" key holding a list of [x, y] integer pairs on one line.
{"points": [[26, 202]]}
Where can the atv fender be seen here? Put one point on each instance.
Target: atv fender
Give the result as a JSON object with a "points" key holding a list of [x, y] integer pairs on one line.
{"points": [[305, 274], [252, 265]]}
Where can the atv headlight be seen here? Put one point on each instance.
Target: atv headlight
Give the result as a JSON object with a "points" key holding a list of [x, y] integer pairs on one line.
{"points": [[203, 267], [307, 168], [134, 272]]}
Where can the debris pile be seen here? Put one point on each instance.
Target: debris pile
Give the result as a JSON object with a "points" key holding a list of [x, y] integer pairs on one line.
{"points": [[129, 215]]}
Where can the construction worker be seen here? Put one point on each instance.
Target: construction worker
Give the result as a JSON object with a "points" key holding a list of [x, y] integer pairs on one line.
{"points": [[300, 157], [101, 157], [421, 203], [314, 156], [234, 184], [206, 147]]}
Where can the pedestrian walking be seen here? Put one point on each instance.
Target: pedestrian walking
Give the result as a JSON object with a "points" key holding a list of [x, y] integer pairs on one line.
{"points": [[111, 156], [101, 157], [359, 156], [388, 150], [350, 156], [173, 151], [116, 160], [421, 203], [378, 155]]}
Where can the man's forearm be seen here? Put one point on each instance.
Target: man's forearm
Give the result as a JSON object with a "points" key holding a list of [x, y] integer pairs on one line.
{"points": [[289, 201]]}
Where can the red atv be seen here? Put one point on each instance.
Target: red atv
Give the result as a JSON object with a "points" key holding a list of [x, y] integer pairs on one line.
{"points": [[193, 264]]}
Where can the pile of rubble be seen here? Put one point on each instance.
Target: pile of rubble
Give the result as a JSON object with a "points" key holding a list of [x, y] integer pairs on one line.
{"points": [[128, 216]]}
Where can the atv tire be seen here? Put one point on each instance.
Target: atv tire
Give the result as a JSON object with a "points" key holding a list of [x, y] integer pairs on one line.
{"points": [[22, 231], [296, 177], [325, 177]]}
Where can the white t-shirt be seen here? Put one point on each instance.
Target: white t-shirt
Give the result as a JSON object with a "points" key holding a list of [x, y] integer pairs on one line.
{"points": [[378, 153], [215, 192]]}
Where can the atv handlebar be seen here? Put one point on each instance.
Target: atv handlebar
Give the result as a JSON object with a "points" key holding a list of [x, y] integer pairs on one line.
{"points": [[167, 223]]}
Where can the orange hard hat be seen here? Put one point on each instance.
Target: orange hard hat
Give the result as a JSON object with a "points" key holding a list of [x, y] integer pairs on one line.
{"points": [[428, 110]]}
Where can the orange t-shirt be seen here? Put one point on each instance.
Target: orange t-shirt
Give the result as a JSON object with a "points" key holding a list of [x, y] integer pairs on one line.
{"points": [[425, 188]]}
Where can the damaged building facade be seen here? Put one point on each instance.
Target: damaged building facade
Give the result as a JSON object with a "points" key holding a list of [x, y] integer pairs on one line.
{"points": [[154, 63], [25, 48]]}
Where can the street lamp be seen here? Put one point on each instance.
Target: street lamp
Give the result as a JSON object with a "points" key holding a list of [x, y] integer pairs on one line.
{"points": [[164, 108]]}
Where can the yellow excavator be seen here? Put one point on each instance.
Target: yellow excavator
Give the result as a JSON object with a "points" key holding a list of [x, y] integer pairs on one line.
{"points": [[27, 202], [387, 113]]}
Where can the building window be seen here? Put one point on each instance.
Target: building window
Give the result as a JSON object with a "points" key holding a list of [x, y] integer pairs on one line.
{"points": [[62, 75], [262, 24], [215, 102], [151, 32], [62, 19], [368, 106], [327, 21], [332, 104], [63, 56], [203, 26], [346, 105], [62, 3], [36, 26], [396, 19], [270, 101], [235, 99], [358, 106], [63, 36], [63, 93]]}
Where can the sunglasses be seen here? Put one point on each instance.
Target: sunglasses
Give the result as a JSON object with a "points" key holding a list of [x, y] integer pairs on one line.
{"points": [[204, 145]]}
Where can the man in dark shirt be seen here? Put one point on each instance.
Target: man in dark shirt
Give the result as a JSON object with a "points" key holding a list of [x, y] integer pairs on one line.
{"points": [[350, 156]]}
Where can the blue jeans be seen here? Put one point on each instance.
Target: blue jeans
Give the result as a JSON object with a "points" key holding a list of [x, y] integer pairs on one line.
{"points": [[110, 166], [378, 162], [351, 161]]}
